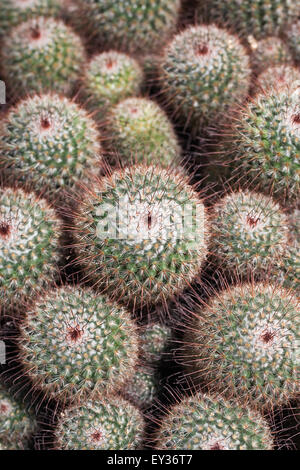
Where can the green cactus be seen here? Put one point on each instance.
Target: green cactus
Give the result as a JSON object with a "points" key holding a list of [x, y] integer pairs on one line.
{"points": [[245, 344], [41, 55], [280, 76], [50, 142], [141, 234], [204, 74], [269, 52], [74, 343], [142, 388], [202, 422], [293, 37], [249, 233], [131, 25], [16, 424], [29, 245], [155, 338], [139, 131], [109, 78], [259, 18], [107, 424]]}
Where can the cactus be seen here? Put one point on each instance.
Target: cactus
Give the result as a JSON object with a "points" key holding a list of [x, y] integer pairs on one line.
{"points": [[249, 233], [139, 131], [29, 245], [16, 424], [202, 422], [155, 338], [260, 18], [245, 344], [293, 37], [109, 78], [41, 55], [269, 52], [204, 73], [143, 387], [280, 76], [287, 271], [131, 237], [107, 424], [74, 344], [50, 142], [134, 26]]}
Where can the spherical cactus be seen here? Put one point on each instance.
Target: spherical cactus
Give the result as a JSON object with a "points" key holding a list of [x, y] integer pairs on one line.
{"points": [[141, 234], [50, 142], [269, 52], [259, 18], [139, 131], [29, 245], [109, 424], [109, 78], [245, 344], [41, 55], [280, 76], [202, 422], [14, 12], [210, 52], [134, 26], [294, 223], [142, 388], [74, 343], [266, 143], [16, 424], [155, 338], [293, 36], [287, 271], [249, 233]]}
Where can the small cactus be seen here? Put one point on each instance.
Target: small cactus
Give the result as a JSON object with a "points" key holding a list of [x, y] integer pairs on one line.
{"points": [[142, 388], [280, 76], [269, 52], [293, 37], [155, 338]]}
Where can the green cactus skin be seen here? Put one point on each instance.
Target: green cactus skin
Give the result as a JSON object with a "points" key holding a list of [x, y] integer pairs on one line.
{"points": [[293, 37], [14, 12], [74, 343], [266, 144], [155, 338], [269, 52], [29, 245], [148, 255], [204, 74], [280, 76], [249, 233], [143, 388], [245, 345], [260, 18], [140, 131], [131, 25], [50, 142], [202, 422], [109, 424], [109, 78], [41, 55], [16, 424]]}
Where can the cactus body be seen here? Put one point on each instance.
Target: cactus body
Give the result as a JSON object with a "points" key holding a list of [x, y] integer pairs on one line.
{"points": [[280, 76], [155, 338], [143, 387], [270, 52], [74, 344], [287, 272], [131, 239], [293, 36], [41, 55], [204, 73]]}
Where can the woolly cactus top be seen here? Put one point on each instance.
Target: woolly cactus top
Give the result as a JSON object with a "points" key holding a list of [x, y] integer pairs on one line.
{"points": [[202, 422], [74, 343]]}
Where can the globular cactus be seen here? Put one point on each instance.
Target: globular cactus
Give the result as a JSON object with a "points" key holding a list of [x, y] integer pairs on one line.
{"points": [[244, 344], [143, 387], [16, 424], [204, 422], [249, 233], [141, 234], [204, 74], [287, 271], [50, 142], [259, 18], [269, 52], [41, 55], [280, 76], [109, 423], [29, 245], [75, 344], [155, 339], [109, 78], [139, 131], [131, 25], [293, 37]]}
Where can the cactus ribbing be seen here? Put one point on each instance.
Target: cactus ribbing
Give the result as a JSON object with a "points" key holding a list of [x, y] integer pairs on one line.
{"points": [[74, 343]]}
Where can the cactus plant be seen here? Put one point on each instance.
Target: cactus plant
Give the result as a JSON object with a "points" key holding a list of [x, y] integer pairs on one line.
{"points": [[142, 388], [107, 424], [29, 245], [204, 73], [41, 55], [50, 142], [287, 271], [131, 237], [74, 344], [202, 422], [155, 338], [269, 52], [249, 233], [293, 37], [280, 76], [245, 344], [139, 131], [16, 423]]}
